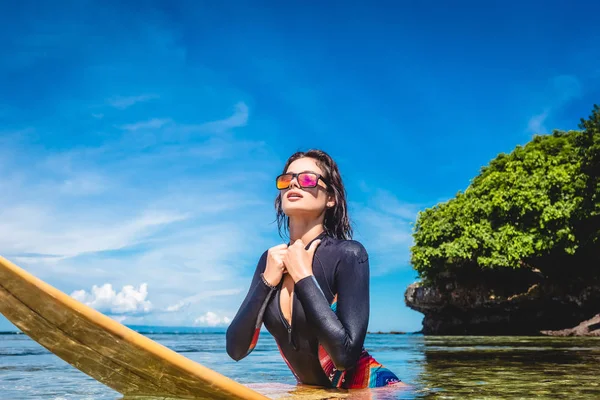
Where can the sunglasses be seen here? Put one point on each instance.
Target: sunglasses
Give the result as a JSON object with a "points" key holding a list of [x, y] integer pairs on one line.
{"points": [[305, 180]]}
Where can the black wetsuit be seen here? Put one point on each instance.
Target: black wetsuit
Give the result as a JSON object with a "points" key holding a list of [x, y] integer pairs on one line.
{"points": [[323, 345]]}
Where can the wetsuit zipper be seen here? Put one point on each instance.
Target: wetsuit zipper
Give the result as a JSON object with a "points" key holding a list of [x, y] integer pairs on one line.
{"points": [[282, 317]]}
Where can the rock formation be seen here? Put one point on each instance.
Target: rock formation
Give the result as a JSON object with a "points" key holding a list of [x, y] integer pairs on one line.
{"points": [[485, 308], [591, 327]]}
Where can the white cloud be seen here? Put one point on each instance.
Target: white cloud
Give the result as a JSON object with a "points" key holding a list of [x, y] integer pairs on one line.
{"points": [[560, 91], [237, 120], [211, 319], [167, 130], [122, 103], [201, 296], [154, 123], [105, 299], [176, 307], [388, 203], [384, 226], [83, 184], [536, 123], [35, 229], [171, 216]]}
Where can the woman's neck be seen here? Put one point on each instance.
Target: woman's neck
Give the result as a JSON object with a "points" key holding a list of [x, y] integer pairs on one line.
{"points": [[305, 230]]}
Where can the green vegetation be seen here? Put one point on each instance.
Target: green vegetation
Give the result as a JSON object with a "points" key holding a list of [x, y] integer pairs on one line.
{"points": [[537, 207]]}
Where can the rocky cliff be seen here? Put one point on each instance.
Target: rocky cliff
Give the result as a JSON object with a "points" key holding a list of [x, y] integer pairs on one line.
{"points": [[488, 307], [591, 327]]}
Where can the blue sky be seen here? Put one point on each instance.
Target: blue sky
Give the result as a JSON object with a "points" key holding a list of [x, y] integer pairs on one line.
{"points": [[139, 142]]}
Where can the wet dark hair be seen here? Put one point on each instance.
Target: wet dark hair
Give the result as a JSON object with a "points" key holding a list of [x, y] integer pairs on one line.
{"points": [[336, 222]]}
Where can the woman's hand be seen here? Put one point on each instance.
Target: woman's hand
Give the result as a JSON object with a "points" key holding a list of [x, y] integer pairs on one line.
{"points": [[275, 267], [298, 261]]}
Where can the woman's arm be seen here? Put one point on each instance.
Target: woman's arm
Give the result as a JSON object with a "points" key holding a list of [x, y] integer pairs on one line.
{"points": [[242, 333], [342, 333]]}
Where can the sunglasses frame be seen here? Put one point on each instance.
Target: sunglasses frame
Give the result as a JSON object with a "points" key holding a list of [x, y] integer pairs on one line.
{"points": [[295, 175]]}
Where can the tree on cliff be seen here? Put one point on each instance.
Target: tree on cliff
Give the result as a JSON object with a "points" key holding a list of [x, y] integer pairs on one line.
{"points": [[537, 207]]}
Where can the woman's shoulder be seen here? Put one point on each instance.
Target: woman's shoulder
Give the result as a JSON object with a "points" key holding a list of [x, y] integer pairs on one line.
{"points": [[350, 249]]}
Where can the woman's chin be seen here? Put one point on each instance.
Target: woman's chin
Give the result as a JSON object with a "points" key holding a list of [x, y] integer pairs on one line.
{"points": [[297, 211]]}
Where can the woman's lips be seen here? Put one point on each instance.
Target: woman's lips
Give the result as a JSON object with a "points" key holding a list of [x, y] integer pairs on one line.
{"points": [[293, 196]]}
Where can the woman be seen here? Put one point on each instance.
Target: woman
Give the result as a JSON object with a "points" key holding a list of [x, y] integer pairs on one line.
{"points": [[312, 294]]}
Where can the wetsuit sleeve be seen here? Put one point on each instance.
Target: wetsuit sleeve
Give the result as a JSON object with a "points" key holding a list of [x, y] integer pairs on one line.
{"points": [[242, 333], [342, 332]]}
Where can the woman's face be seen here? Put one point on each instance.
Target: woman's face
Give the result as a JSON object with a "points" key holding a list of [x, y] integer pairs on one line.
{"points": [[307, 202]]}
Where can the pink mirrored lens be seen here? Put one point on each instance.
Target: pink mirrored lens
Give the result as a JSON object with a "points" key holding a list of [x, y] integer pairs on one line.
{"points": [[307, 180]]}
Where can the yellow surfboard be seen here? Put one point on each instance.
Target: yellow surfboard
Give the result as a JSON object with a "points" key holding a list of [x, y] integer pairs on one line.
{"points": [[104, 349]]}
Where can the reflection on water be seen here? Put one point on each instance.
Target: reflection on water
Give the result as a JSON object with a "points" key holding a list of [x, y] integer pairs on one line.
{"points": [[511, 367], [284, 391], [434, 367]]}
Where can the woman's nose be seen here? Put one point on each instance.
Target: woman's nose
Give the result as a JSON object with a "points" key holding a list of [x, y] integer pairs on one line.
{"points": [[294, 182]]}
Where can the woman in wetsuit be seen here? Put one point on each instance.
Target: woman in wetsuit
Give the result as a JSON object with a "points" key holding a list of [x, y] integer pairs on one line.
{"points": [[313, 293]]}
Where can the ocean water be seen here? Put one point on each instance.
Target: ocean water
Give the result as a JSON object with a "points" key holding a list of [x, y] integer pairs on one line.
{"points": [[434, 367]]}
